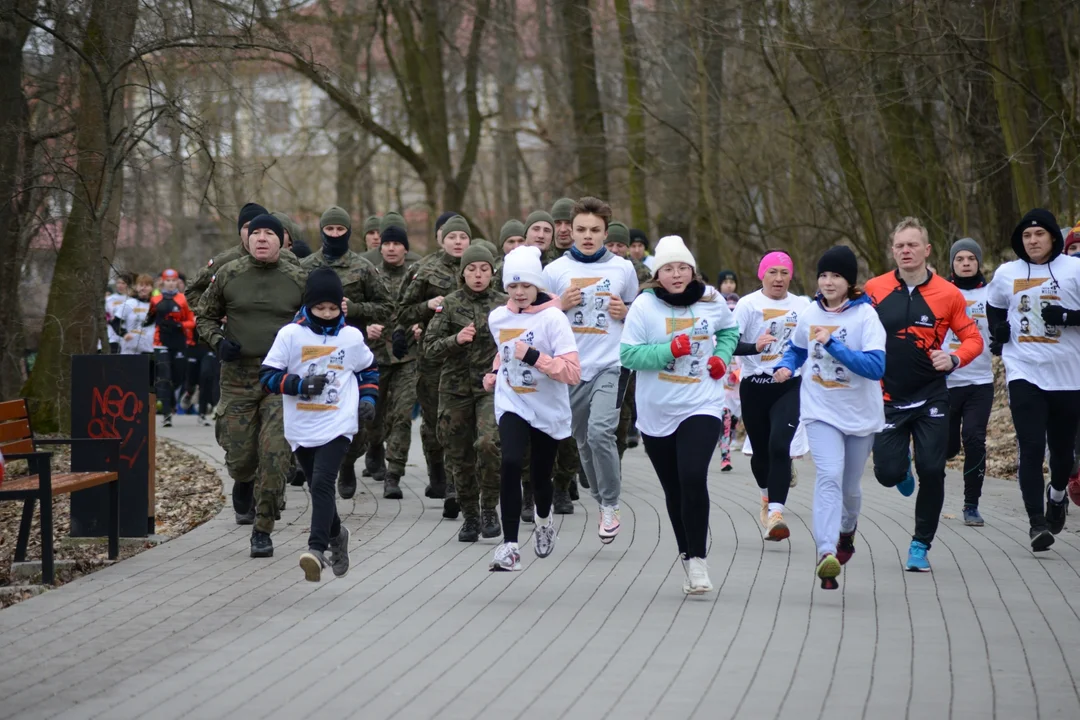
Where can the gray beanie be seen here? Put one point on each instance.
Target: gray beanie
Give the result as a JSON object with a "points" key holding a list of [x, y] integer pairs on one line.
{"points": [[965, 244]]}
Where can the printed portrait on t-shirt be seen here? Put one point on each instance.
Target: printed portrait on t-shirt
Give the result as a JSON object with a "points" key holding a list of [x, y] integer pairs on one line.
{"points": [[1025, 326], [598, 303], [772, 328], [579, 319], [505, 354], [670, 367], [695, 368], [332, 395], [1025, 303], [601, 320], [527, 378], [331, 376], [695, 348], [312, 369], [841, 374], [1052, 331], [817, 354], [817, 370], [596, 293]]}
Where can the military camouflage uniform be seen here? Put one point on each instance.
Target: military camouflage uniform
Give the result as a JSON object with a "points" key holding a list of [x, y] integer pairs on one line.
{"points": [[397, 383], [194, 290], [466, 427], [628, 412], [431, 278], [258, 299], [369, 303], [375, 257]]}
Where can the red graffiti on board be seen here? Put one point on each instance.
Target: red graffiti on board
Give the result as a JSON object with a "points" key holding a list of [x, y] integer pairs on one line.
{"points": [[113, 414]]}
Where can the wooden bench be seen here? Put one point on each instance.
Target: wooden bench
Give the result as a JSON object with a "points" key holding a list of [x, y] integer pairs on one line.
{"points": [[17, 443]]}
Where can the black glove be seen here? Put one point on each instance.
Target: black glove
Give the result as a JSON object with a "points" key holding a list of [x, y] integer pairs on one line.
{"points": [[168, 322], [228, 350], [400, 344], [313, 386], [117, 325], [1060, 316], [366, 412]]}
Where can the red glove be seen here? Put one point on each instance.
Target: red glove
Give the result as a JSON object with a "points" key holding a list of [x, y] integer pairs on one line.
{"points": [[680, 346], [717, 369]]}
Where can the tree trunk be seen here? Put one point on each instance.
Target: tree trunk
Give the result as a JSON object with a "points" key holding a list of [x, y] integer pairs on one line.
{"points": [[635, 117], [13, 146], [710, 84], [677, 81], [590, 143], [508, 192], [75, 311]]}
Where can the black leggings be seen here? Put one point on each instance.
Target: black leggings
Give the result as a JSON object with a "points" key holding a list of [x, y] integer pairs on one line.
{"points": [[169, 373], [516, 436], [1043, 418], [770, 414], [969, 414], [320, 465], [681, 461]]}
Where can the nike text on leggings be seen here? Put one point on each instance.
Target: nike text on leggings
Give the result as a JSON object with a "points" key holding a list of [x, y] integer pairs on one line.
{"points": [[770, 414]]}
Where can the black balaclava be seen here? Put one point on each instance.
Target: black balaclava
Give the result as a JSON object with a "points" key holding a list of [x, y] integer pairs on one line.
{"points": [[323, 285], [335, 247]]}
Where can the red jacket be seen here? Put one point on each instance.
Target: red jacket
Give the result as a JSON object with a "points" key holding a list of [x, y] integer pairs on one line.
{"points": [[178, 329]]}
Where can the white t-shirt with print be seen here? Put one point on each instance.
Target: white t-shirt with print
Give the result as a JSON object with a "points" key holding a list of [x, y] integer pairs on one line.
{"points": [[684, 388], [132, 314], [757, 314], [830, 392], [311, 422], [979, 371], [521, 388], [598, 335], [1045, 356], [114, 303]]}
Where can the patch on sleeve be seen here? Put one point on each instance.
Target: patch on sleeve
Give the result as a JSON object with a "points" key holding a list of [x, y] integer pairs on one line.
{"points": [[210, 263]]}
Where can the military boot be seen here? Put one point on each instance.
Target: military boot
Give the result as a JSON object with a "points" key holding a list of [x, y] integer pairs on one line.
{"points": [[297, 479], [375, 462], [470, 530], [346, 480], [562, 504], [574, 495], [261, 545], [436, 488], [243, 500], [392, 487], [451, 508], [489, 523], [528, 512]]}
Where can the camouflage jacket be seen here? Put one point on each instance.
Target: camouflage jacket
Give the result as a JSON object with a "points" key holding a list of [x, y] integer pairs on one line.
{"points": [[369, 302], [393, 279], [257, 299], [375, 257], [463, 366], [430, 279], [643, 272], [195, 289]]}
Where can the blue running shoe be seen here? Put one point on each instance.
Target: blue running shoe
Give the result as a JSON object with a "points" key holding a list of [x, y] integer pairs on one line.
{"points": [[907, 487], [916, 558], [972, 517]]}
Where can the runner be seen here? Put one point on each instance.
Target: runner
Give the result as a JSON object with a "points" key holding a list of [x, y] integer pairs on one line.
{"points": [[971, 388], [319, 416], [114, 302], [732, 406], [173, 335], [532, 401], [596, 288], [1034, 313], [917, 308], [767, 318], [639, 248], [679, 337], [840, 402], [137, 337], [728, 282]]}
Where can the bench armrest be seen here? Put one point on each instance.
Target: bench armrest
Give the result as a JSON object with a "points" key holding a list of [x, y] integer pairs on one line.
{"points": [[37, 455], [113, 443]]}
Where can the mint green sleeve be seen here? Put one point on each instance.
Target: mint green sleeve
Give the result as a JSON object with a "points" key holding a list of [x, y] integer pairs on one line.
{"points": [[646, 357], [726, 340]]}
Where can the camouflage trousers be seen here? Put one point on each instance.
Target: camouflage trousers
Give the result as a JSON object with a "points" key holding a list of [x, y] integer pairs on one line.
{"points": [[626, 415], [567, 465], [393, 415], [427, 393], [470, 441], [250, 428]]}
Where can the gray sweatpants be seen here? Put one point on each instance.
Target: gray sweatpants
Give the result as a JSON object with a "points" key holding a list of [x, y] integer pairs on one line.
{"points": [[595, 409]]}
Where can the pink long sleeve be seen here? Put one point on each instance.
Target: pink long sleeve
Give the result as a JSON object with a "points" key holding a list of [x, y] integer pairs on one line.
{"points": [[564, 368], [497, 364]]}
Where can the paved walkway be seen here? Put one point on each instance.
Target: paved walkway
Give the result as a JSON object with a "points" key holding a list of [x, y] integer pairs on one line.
{"points": [[419, 628]]}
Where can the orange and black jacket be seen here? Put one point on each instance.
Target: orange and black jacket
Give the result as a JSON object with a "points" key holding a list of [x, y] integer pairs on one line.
{"points": [[174, 319], [915, 325]]}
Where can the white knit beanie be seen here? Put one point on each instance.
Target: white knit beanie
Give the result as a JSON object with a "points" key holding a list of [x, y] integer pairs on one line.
{"points": [[672, 249], [522, 265]]}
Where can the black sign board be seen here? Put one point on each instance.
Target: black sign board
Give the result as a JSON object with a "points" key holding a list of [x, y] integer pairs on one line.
{"points": [[110, 396]]}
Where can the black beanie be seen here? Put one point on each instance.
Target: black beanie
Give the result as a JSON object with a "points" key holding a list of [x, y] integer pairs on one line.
{"points": [[1038, 218], [248, 213], [394, 234], [323, 285], [840, 260], [724, 275], [300, 248], [442, 220], [269, 222], [638, 236]]}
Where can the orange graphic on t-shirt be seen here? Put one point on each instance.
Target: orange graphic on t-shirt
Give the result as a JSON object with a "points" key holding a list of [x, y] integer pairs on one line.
{"points": [[830, 328], [508, 334], [580, 282], [1020, 285], [677, 324], [770, 313], [314, 352]]}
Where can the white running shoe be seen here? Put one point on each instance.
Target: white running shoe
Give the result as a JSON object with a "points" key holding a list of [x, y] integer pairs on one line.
{"points": [[697, 577], [544, 538], [609, 524], [507, 558], [686, 573]]}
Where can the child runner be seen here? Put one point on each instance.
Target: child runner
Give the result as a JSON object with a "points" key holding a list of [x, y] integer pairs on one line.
{"points": [[1040, 292], [732, 406], [767, 319], [320, 414], [728, 282], [971, 388], [596, 288], [532, 398], [679, 337], [840, 401]]}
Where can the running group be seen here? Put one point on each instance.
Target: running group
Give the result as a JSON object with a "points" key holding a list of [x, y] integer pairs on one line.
{"points": [[537, 351]]}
